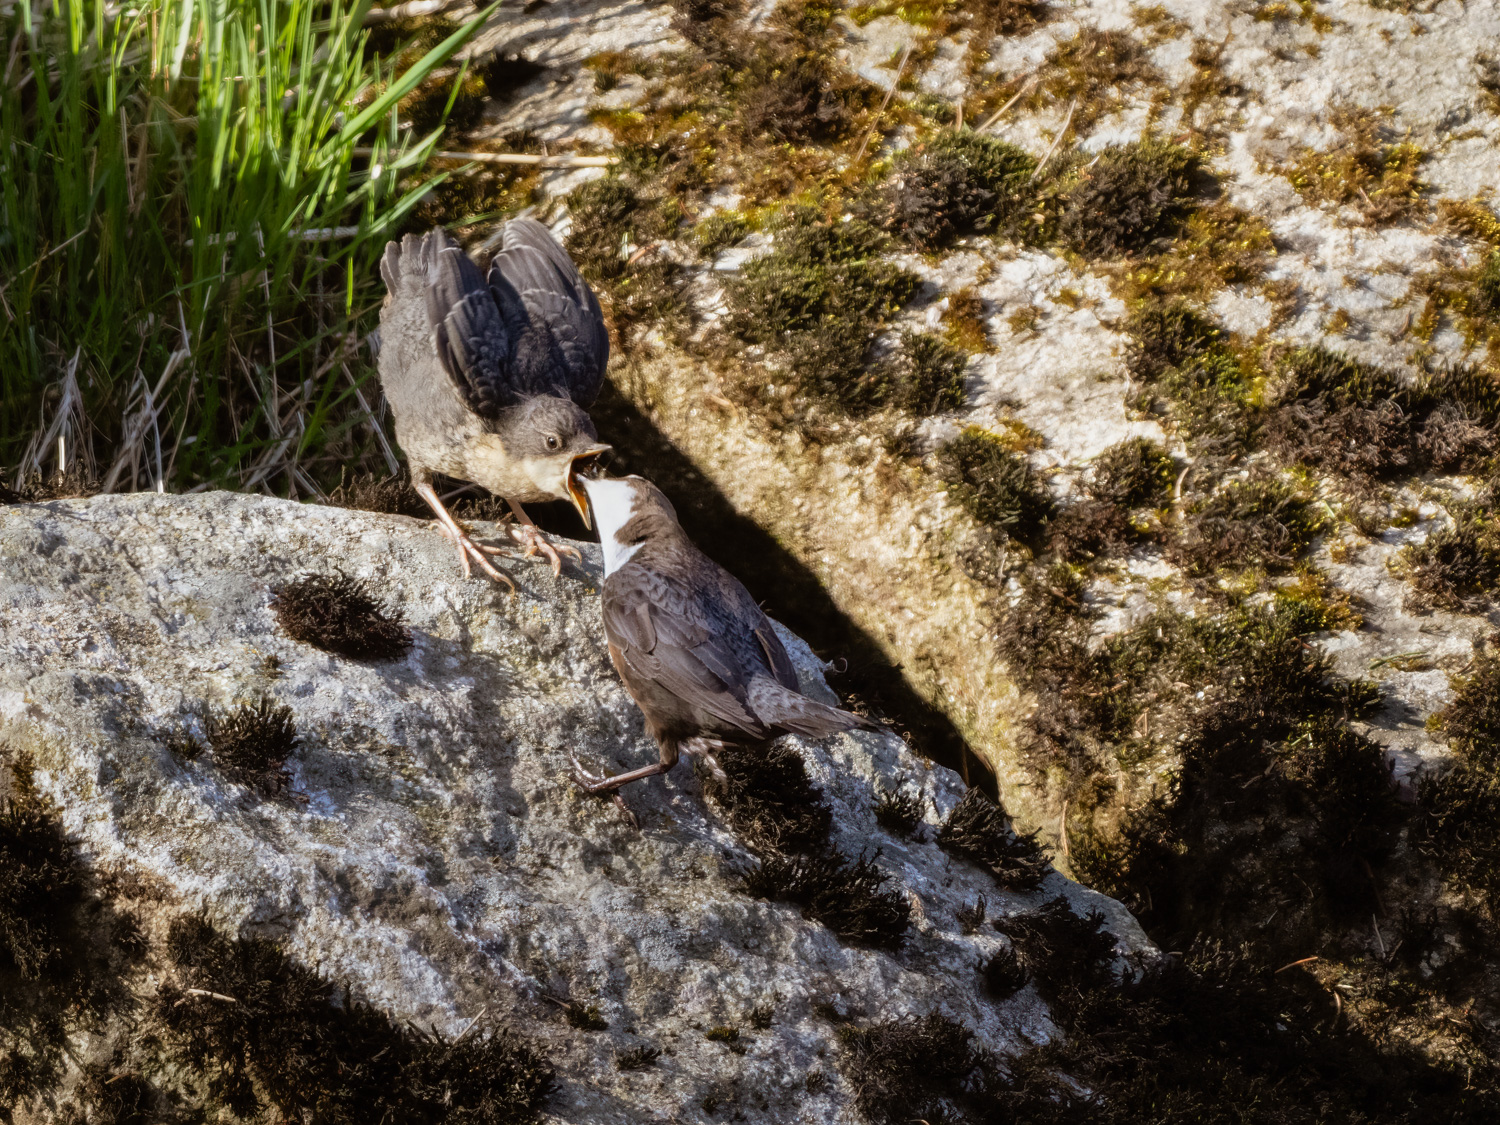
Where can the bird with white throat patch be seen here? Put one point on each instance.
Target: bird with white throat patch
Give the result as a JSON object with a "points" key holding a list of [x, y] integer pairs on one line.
{"points": [[695, 651]]}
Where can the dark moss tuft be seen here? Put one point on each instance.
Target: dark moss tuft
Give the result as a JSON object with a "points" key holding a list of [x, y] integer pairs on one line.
{"points": [[261, 1029], [641, 287], [1088, 529], [388, 495], [1367, 423], [720, 231], [252, 743], [1456, 568], [1004, 974], [62, 946], [817, 300], [957, 183], [994, 484], [637, 1058], [1461, 805], [339, 614], [1167, 335], [1134, 196], [847, 896], [1263, 522], [37, 489], [1134, 473], [585, 1017], [914, 1069], [1069, 952], [977, 830], [768, 798], [927, 375], [899, 810]]}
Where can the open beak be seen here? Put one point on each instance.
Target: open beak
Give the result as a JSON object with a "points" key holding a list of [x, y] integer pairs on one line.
{"points": [[586, 464]]}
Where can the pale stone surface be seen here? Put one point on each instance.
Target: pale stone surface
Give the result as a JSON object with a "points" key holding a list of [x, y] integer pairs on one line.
{"points": [[439, 858]]}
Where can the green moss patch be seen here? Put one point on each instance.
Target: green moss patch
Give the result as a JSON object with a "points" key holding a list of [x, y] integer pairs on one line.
{"points": [[1134, 473], [995, 485], [636, 286], [1375, 174], [958, 182], [1132, 196], [264, 1032], [816, 302]]}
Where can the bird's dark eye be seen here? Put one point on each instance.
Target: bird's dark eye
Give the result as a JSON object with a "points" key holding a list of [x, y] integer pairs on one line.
{"points": [[553, 442]]}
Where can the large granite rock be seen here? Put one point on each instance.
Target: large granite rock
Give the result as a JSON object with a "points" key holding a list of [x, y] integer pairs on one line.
{"points": [[432, 852]]}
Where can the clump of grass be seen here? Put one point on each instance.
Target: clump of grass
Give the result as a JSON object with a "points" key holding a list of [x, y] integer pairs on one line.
{"points": [[1134, 196], [995, 485], [899, 810], [979, 831], [213, 162], [1456, 568], [1134, 473], [956, 183], [926, 375], [769, 799], [914, 1068], [340, 615], [816, 302], [1378, 177], [722, 1034], [252, 743], [265, 1032], [1264, 523], [847, 896], [637, 1058]]}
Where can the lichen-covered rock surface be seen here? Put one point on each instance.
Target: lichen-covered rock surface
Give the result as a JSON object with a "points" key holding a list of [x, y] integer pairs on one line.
{"points": [[425, 847]]}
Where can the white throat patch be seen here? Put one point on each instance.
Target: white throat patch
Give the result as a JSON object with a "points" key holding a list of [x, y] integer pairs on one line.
{"points": [[613, 502]]}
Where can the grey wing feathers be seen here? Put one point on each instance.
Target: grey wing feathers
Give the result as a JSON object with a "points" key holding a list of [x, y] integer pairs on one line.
{"points": [[664, 636], [670, 649], [533, 268], [473, 341]]}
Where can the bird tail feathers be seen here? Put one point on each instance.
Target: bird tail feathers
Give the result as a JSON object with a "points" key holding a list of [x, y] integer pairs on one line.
{"points": [[790, 711]]}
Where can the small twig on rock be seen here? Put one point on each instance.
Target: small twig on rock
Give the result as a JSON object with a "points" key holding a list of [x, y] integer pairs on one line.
{"points": [[205, 992], [889, 94], [1017, 96], [1057, 140]]}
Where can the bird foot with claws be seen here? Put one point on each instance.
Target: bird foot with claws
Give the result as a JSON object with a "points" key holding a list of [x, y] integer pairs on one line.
{"points": [[468, 549], [601, 787], [528, 535]]}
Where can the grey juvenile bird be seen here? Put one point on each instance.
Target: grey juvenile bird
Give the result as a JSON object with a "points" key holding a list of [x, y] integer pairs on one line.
{"points": [[694, 649], [490, 375]]}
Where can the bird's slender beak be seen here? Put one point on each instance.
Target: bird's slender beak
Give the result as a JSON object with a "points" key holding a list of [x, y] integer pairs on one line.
{"points": [[586, 464]]}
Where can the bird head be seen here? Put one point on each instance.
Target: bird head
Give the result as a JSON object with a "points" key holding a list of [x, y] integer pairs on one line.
{"points": [[630, 510], [553, 441]]}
